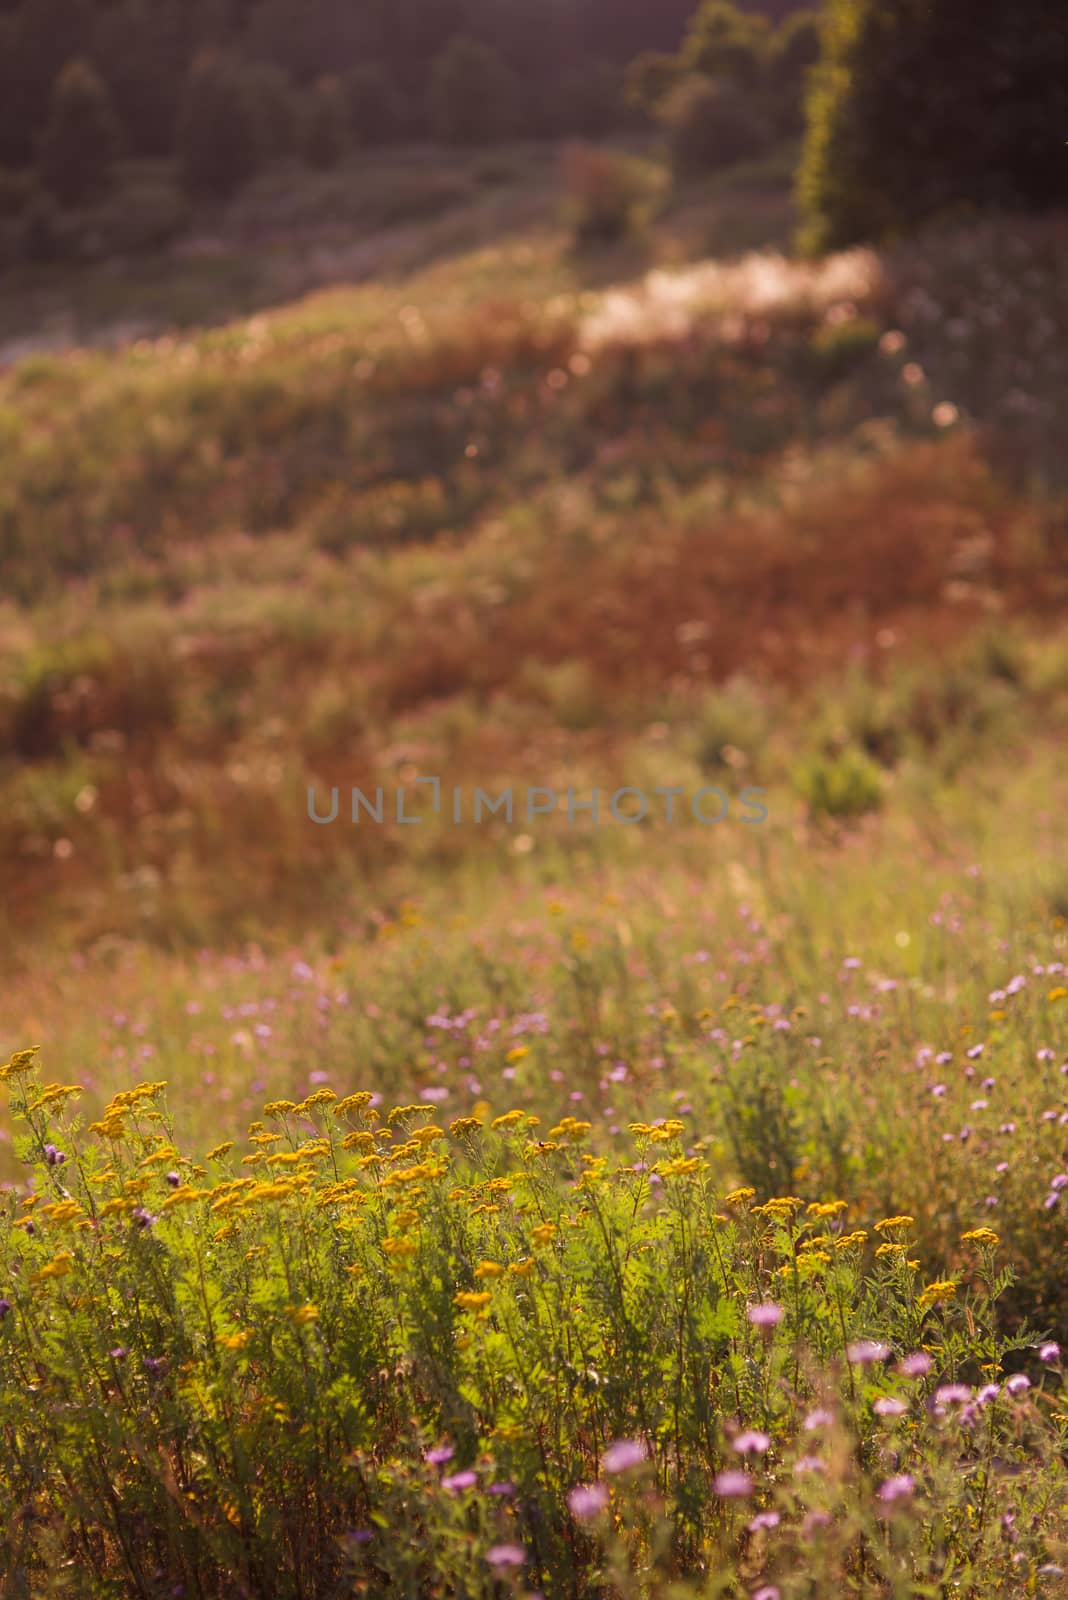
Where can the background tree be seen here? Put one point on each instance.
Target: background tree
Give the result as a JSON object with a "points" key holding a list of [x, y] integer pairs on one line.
{"points": [[921, 108], [326, 125], [711, 125], [81, 137], [218, 146], [725, 42], [275, 111], [472, 94], [794, 51], [376, 110]]}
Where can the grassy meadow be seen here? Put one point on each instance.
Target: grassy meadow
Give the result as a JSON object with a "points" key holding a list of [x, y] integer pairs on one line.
{"points": [[630, 1209]]}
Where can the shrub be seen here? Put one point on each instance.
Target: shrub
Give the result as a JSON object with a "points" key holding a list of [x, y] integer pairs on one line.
{"points": [[375, 106], [843, 785], [959, 139], [325, 135], [217, 143], [605, 193], [141, 217], [472, 94], [711, 125], [81, 137]]}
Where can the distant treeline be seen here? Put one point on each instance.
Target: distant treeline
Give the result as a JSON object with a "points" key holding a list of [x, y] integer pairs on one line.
{"points": [[563, 58]]}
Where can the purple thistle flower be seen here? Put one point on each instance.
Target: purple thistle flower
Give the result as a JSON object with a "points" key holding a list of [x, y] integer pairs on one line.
{"points": [[173, 1179], [888, 1406], [1019, 1383], [808, 1464], [5, 1307], [505, 1488], [119, 1353], [1050, 1351], [143, 1219], [765, 1315], [732, 1485], [866, 1351], [900, 1487], [988, 1392], [587, 1500], [623, 1455], [506, 1555], [953, 1394], [814, 1520], [54, 1157], [767, 1591], [820, 1418], [764, 1519], [752, 1443], [439, 1456], [459, 1481]]}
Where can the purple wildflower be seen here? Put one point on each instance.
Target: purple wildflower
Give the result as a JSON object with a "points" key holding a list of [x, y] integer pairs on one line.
{"points": [[459, 1481], [866, 1351], [888, 1406], [505, 1488], [820, 1418], [1019, 1383], [808, 1464], [5, 1307], [1050, 1351], [953, 1394], [765, 1315], [587, 1500], [899, 1487], [915, 1365], [506, 1555], [732, 1485], [752, 1443], [765, 1520], [623, 1455], [439, 1456]]}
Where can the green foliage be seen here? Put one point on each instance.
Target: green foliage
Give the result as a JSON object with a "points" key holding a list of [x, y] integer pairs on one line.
{"points": [[472, 94], [842, 785], [793, 52], [607, 194], [218, 133], [650, 79], [356, 1328], [727, 43], [712, 125], [81, 137], [325, 133], [977, 111]]}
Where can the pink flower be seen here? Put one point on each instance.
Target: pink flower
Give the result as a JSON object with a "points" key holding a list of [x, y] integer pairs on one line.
{"points": [[459, 1481], [888, 1406], [808, 1464], [865, 1351], [915, 1365], [732, 1485], [438, 1457], [1019, 1383], [587, 1500], [767, 1591], [819, 1418], [953, 1394], [764, 1519], [1050, 1351], [765, 1315], [624, 1454], [506, 1555], [751, 1443], [900, 1487]]}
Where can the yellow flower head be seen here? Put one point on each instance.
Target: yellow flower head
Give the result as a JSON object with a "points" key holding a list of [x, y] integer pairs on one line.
{"points": [[739, 1197], [983, 1236], [894, 1222]]}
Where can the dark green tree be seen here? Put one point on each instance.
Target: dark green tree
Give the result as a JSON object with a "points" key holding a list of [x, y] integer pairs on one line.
{"points": [[325, 137], [217, 141], [472, 94], [725, 42], [81, 137], [920, 108], [376, 110]]}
